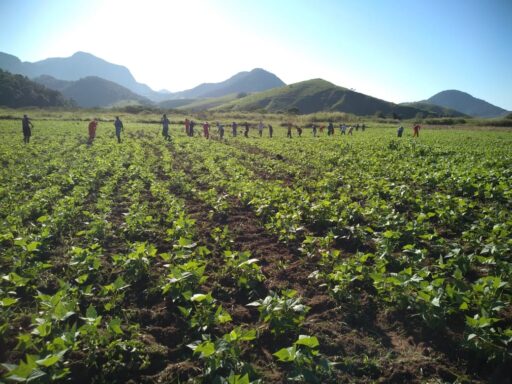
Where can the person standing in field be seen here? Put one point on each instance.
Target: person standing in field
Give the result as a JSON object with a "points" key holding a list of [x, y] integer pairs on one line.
{"points": [[270, 131], [330, 129], [165, 127], [187, 127], [119, 127], [321, 129], [191, 128], [299, 131], [260, 128], [234, 128], [343, 129], [206, 130], [350, 129], [416, 131], [289, 132], [92, 130], [220, 128], [27, 126], [246, 130], [363, 127], [400, 131], [313, 127]]}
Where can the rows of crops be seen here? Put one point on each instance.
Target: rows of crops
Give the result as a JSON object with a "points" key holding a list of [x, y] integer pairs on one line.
{"points": [[345, 259]]}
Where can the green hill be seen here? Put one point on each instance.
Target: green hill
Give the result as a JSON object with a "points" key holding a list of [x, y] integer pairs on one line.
{"points": [[465, 103], [209, 103], [435, 109], [18, 91], [199, 104], [174, 104], [319, 95]]}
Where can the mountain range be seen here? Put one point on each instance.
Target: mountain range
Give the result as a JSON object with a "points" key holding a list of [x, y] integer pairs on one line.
{"points": [[92, 91], [93, 82], [78, 66]]}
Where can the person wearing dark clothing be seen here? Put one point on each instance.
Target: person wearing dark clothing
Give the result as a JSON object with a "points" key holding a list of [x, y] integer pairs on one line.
{"points": [[246, 130], [220, 127], [165, 127], [330, 129], [27, 126], [187, 127], [270, 131], [119, 127], [234, 128], [191, 128], [289, 132], [400, 131], [299, 131], [313, 127]]}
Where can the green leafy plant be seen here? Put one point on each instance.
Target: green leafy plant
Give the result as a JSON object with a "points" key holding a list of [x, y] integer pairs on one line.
{"points": [[283, 313], [307, 364]]}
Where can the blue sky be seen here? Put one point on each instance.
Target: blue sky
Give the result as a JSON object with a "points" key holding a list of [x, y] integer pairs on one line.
{"points": [[397, 50]]}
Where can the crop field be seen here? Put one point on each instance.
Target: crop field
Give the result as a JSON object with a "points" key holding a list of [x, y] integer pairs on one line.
{"points": [[356, 259]]}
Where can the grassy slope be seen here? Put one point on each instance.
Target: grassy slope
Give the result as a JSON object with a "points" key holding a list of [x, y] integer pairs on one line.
{"points": [[436, 109], [203, 104], [318, 95]]}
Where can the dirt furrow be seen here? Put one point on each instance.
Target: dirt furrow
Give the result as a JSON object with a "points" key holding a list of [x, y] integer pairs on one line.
{"points": [[360, 338]]}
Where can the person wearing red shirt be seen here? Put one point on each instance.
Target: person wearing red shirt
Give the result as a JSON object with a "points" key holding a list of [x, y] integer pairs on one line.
{"points": [[416, 131], [92, 130]]}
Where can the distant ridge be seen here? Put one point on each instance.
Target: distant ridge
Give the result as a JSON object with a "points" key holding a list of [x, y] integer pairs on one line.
{"points": [[92, 91], [256, 80], [78, 66], [467, 104]]}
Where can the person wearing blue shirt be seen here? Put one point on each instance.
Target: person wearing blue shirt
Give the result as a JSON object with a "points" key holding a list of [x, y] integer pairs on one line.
{"points": [[119, 127], [165, 127]]}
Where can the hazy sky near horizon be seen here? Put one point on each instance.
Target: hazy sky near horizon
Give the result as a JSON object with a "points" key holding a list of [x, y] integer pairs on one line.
{"points": [[396, 50]]}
